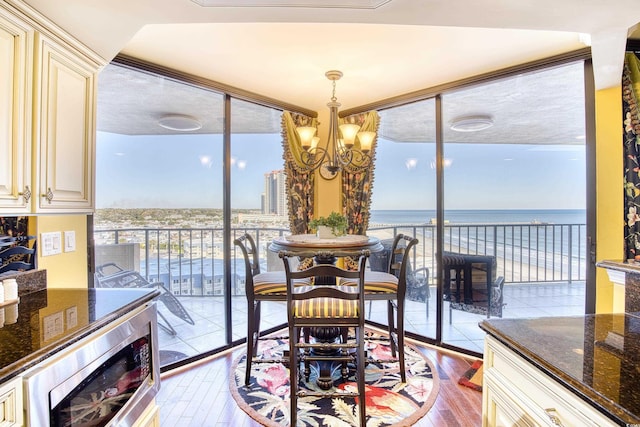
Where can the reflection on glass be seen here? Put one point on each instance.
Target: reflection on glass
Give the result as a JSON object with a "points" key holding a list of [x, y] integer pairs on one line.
{"points": [[159, 186], [404, 201], [258, 200], [514, 199]]}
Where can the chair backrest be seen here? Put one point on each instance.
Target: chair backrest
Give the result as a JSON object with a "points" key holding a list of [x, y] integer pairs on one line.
{"points": [[251, 259], [249, 252], [18, 258], [324, 271], [400, 261]]}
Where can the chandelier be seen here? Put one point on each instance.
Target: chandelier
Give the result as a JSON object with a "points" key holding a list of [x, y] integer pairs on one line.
{"points": [[341, 150]]}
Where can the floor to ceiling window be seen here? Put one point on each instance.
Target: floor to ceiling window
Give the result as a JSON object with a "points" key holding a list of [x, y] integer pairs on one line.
{"points": [[159, 186], [258, 199], [404, 201], [514, 173], [513, 196]]}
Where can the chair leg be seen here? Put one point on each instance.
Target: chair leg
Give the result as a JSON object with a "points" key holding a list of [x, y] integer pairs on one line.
{"points": [[400, 336], [252, 339], [256, 327], [391, 327], [294, 365], [361, 362]]}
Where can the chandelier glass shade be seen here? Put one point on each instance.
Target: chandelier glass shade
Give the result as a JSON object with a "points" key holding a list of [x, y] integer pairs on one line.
{"points": [[346, 147]]}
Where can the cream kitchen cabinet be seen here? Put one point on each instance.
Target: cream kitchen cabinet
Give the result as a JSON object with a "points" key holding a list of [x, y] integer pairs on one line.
{"points": [[11, 403], [16, 60], [47, 116], [518, 394], [150, 417], [64, 131]]}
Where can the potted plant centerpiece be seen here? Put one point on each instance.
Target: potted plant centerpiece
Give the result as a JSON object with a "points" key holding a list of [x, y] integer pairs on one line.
{"points": [[332, 226]]}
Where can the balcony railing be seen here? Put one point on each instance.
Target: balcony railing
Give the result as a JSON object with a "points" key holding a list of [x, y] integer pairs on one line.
{"points": [[190, 260]]}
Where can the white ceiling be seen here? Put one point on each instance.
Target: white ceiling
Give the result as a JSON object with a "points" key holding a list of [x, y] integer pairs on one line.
{"points": [[399, 47]]}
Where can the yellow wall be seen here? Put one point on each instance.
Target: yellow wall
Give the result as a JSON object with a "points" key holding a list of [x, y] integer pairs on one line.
{"points": [[609, 195], [327, 193], [67, 269]]}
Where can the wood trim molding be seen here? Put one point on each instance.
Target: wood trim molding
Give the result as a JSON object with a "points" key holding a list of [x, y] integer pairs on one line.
{"points": [[431, 92], [139, 64]]}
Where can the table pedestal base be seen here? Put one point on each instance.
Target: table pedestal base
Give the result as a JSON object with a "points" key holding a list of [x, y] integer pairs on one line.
{"points": [[328, 335]]}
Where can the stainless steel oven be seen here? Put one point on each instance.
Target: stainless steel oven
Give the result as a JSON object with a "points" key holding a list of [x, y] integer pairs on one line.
{"points": [[106, 379]]}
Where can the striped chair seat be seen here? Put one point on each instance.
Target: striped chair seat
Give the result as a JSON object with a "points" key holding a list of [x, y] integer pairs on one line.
{"points": [[273, 283], [376, 282], [326, 307]]}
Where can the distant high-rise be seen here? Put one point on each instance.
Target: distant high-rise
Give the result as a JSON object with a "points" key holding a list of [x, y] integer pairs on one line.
{"points": [[274, 199]]}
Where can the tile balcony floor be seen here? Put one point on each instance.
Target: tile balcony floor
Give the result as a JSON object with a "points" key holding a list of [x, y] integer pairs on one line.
{"points": [[521, 300]]}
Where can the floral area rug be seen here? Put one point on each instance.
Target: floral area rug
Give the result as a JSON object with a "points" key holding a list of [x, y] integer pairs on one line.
{"points": [[389, 401]]}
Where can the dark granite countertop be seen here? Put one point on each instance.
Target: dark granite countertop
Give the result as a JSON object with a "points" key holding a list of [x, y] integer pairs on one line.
{"points": [[50, 320], [595, 356]]}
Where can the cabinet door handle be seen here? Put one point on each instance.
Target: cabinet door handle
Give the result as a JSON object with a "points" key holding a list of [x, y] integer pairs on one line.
{"points": [[48, 195], [553, 417], [26, 194]]}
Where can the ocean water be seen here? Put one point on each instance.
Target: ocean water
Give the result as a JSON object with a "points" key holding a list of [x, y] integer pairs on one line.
{"points": [[502, 216]]}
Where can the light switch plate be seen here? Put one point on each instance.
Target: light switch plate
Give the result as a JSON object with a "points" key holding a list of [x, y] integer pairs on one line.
{"points": [[51, 243], [69, 241], [53, 325], [72, 317]]}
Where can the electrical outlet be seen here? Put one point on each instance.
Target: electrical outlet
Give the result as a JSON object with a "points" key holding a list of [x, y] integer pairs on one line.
{"points": [[69, 241]]}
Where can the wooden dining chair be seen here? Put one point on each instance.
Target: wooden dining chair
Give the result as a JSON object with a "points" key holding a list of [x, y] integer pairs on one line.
{"points": [[391, 286], [259, 286], [18, 258], [326, 306]]}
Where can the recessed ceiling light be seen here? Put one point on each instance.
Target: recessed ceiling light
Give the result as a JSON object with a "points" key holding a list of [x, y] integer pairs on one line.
{"points": [[180, 122], [471, 123]]}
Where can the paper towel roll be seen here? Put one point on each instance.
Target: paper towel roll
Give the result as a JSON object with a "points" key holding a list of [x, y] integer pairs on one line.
{"points": [[11, 314], [10, 289]]}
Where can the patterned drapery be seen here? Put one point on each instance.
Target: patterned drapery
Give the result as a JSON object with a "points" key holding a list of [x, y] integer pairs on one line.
{"points": [[356, 185], [631, 138], [299, 179]]}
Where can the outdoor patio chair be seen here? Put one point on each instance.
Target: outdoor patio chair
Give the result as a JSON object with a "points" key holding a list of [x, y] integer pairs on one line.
{"points": [[109, 275]]}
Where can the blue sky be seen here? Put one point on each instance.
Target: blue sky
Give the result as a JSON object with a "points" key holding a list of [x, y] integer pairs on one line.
{"points": [[185, 171]]}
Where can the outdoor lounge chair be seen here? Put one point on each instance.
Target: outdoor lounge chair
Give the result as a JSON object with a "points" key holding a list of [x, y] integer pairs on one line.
{"points": [[111, 276]]}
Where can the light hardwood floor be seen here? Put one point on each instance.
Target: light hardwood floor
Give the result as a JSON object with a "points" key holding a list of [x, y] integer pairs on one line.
{"points": [[198, 395]]}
